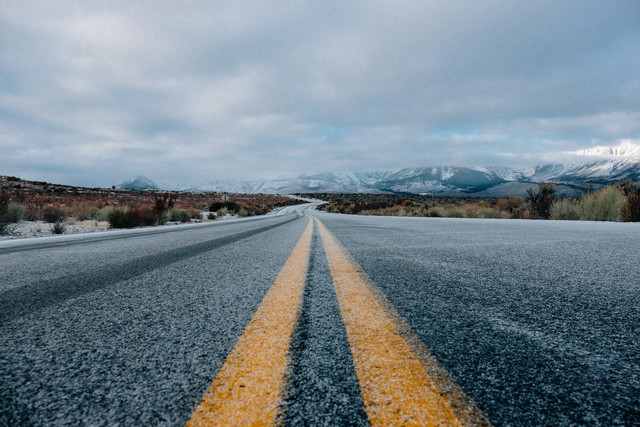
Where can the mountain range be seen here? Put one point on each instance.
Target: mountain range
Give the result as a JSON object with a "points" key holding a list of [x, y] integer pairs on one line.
{"points": [[138, 183], [601, 166]]}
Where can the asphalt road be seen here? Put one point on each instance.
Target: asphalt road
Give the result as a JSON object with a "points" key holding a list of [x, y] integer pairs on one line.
{"points": [[537, 322]]}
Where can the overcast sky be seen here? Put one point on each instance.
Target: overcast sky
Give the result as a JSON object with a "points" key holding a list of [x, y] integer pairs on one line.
{"points": [[93, 93]]}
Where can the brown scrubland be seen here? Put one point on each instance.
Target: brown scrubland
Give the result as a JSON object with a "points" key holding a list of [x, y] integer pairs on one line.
{"points": [[620, 202], [62, 204]]}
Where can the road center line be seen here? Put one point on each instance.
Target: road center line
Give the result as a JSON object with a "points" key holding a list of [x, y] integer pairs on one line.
{"points": [[391, 365], [248, 387]]}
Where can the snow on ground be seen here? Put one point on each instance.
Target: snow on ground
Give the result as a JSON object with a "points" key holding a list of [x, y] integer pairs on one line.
{"points": [[34, 229], [30, 229]]}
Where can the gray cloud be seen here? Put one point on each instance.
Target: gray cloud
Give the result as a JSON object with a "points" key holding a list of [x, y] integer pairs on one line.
{"points": [[93, 92]]}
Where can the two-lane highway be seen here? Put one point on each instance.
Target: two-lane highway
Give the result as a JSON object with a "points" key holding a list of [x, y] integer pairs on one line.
{"points": [[130, 330], [307, 317]]}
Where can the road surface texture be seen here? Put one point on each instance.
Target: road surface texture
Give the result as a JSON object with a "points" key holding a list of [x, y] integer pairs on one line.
{"points": [[346, 320]]}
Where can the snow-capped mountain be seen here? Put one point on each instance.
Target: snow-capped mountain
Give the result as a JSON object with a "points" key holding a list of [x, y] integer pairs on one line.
{"points": [[627, 149], [320, 183], [596, 172], [600, 166], [479, 181], [139, 183], [444, 180]]}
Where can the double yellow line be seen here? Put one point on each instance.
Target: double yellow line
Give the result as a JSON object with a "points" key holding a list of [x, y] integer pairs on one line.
{"points": [[400, 381]]}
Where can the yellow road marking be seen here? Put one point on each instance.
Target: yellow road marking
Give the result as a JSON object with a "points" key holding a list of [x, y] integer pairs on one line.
{"points": [[249, 385], [392, 365]]}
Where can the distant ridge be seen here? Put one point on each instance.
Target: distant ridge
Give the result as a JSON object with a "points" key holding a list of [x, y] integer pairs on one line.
{"points": [[593, 169], [600, 166], [139, 183]]}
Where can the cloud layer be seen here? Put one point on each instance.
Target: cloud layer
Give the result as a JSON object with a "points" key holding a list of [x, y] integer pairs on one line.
{"points": [[95, 92]]}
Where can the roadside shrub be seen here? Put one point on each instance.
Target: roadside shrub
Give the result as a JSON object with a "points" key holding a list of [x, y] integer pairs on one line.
{"points": [[222, 212], [162, 204], [194, 213], [53, 214], [58, 227], [119, 218], [436, 212], [610, 203], [564, 209], [33, 211], [100, 215], [542, 200], [483, 212], [15, 212], [179, 215], [211, 215], [216, 206], [81, 211], [510, 205], [455, 213], [588, 207], [255, 210], [144, 215], [233, 206], [631, 208], [242, 212], [4, 219], [605, 205], [131, 217], [229, 205]]}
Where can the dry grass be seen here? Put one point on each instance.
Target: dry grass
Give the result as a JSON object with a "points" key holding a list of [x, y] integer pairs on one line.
{"points": [[609, 204]]}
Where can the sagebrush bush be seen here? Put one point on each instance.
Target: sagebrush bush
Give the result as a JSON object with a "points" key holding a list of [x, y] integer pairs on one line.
{"points": [[132, 217], [483, 212], [605, 205], [15, 212], [100, 215], [564, 209], [229, 205], [222, 212], [179, 215], [588, 207], [82, 210], [58, 227], [194, 213], [119, 218], [146, 215], [455, 213], [53, 214], [211, 215], [436, 212], [610, 203]]}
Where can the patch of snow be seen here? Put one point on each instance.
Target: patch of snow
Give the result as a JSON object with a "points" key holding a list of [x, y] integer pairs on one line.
{"points": [[447, 173], [627, 149]]}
